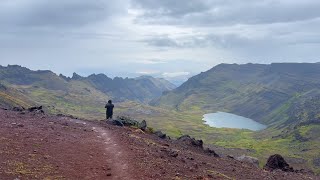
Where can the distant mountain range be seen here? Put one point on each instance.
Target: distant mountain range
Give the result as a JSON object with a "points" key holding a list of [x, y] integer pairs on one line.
{"points": [[141, 89], [81, 96]]}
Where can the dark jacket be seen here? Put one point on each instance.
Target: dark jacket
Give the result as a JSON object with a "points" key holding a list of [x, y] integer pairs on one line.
{"points": [[109, 107]]}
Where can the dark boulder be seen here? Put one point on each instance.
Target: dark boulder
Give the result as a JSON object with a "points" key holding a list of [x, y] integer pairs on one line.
{"points": [[18, 109], [117, 122], [2, 87], [211, 152], [170, 152], [173, 153], [186, 139], [277, 162], [127, 121], [36, 109], [316, 162], [160, 134], [143, 125]]}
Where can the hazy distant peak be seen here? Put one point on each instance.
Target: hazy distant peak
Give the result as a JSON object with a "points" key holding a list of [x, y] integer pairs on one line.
{"points": [[64, 77], [76, 76]]}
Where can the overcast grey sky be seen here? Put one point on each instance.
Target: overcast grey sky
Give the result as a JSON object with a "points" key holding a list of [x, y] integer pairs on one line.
{"points": [[169, 38]]}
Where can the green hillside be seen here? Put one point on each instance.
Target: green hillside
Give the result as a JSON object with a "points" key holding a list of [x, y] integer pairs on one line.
{"points": [[264, 93], [284, 96], [10, 97]]}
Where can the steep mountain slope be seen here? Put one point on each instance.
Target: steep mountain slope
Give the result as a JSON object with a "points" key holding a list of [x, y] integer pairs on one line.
{"points": [[161, 83], [262, 92], [10, 97], [21, 76]]}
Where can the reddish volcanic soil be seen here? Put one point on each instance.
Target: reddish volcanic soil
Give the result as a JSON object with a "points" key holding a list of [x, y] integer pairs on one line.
{"points": [[38, 146]]}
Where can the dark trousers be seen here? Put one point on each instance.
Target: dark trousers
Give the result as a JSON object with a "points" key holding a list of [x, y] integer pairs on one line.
{"points": [[109, 116]]}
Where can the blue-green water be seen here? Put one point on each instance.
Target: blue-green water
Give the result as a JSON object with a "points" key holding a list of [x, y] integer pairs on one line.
{"points": [[228, 120]]}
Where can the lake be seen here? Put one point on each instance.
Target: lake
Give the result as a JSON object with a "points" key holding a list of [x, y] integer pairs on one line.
{"points": [[228, 120]]}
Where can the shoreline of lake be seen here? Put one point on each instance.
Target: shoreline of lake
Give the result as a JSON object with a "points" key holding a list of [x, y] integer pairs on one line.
{"points": [[229, 120]]}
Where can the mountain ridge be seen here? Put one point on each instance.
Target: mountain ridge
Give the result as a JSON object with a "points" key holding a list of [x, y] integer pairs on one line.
{"points": [[268, 86], [141, 89]]}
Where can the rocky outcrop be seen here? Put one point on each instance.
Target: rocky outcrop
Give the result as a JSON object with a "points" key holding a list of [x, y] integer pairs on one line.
{"points": [[316, 162], [18, 109], [188, 142], [186, 139], [64, 77], [248, 159], [211, 152], [117, 122], [277, 162], [2, 87], [143, 125], [36, 109], [127, 121], [76, 76], [160, 134]]}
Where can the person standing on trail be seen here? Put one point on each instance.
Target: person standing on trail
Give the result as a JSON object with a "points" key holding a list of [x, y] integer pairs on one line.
{"points": [[109, 112]]}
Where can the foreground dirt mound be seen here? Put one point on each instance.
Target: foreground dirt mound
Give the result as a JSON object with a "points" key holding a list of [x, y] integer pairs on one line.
{"points": [[38, 146]]}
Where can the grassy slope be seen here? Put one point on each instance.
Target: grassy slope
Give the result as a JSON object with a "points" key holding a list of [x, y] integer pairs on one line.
{"points": [[79, 99], [262, 143], [10, 97]]}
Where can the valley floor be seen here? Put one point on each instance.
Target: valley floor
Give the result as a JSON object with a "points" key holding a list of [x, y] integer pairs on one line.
{"points": [[38, 146]]}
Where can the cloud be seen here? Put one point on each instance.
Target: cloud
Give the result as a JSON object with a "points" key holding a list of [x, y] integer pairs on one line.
{"points": [[148, 72], [58, 13], [156, 8], [175, 74], [161, 41], [225, 12], [152, 61]]}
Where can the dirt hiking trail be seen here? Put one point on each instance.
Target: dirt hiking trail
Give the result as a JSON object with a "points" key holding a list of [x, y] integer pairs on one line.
{"points": [[44, 147]]}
